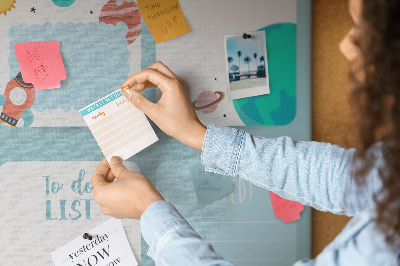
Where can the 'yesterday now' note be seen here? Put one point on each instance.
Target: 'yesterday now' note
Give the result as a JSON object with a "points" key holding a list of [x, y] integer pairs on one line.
{"points": [[41, 63], [108, 246], [164, 18]]}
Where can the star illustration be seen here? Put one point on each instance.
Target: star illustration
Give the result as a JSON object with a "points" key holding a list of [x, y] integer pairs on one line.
{"points": [[33, 10]]}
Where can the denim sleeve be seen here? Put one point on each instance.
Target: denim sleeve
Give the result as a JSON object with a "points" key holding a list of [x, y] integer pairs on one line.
{"points": [[312, 173], [360, 243], [172, 241]]}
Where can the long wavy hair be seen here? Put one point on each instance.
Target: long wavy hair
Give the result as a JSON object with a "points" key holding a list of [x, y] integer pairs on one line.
{"points": [[375, 103]]}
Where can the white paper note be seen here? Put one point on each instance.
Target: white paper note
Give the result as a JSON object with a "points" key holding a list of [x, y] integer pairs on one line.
{"points": [[118, 126], [109, 246]]}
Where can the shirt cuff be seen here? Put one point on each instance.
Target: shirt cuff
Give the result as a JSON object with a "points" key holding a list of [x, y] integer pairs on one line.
{"points": [[222, 148], [158, 219]]}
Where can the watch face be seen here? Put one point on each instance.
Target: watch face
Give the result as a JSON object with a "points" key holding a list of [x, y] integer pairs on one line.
{"points": [[17, 96]]}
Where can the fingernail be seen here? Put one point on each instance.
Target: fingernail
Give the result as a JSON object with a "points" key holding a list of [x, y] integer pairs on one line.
{"points": [[115, 160], [127, 94]]}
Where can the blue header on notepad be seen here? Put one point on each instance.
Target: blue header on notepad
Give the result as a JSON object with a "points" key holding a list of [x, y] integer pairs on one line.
{"points": [[100, 103]]}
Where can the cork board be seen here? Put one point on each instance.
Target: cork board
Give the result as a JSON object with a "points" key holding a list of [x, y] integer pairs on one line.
{"points": [[330, 96]]}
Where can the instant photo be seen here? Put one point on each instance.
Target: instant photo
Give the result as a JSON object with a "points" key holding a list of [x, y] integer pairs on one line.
{"points": [[246, 64]]}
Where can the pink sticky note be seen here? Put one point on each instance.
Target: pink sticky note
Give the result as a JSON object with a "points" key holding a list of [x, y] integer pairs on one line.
{"points": [[284, 209], [41, 64]]}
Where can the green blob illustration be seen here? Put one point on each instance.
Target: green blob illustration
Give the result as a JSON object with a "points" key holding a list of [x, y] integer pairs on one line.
{"points": [[278, 107]]}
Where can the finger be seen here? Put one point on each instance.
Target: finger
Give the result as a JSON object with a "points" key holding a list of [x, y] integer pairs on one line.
{"points": [[160, 67], [105, 210], [143, 86], [140, 102], [118, 169], [159, 80], [100, 174], [110, 177]]}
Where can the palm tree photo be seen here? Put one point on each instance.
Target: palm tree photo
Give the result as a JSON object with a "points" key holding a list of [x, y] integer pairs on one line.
{"points": [[239, 53], [262, 59], [247, 60], [230, 60], [250, 51], [255, 60]]}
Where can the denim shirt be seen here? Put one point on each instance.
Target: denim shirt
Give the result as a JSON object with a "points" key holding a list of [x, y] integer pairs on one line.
{"points": [[312, 173]]}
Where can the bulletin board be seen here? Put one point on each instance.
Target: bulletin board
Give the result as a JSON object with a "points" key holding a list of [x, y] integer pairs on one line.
{"points": [[47, 160]]}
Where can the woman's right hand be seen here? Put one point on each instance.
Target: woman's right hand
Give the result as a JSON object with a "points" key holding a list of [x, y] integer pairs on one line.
{"points": [[174, 112]]}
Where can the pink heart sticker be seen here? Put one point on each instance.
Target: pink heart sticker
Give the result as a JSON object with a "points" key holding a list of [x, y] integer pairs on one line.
{"points": [[284, 209]]}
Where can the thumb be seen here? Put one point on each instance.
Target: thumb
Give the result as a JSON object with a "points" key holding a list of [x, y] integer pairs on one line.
{"points": [[138, 100], [117, 167]]}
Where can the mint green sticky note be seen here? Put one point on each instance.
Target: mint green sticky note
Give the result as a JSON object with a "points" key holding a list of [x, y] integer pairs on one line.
{"points": [[209, 186]]}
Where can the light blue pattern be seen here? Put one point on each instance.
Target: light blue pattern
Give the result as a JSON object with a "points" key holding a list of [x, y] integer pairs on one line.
{"points": [[315, 174], [3, 99], [95, 58], [27, 117]]}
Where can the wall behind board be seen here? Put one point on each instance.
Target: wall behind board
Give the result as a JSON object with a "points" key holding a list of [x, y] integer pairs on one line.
{"points": [[331, 89]]}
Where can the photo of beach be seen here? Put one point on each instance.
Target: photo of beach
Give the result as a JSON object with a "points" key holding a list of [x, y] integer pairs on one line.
{"points": [[247, 67]]}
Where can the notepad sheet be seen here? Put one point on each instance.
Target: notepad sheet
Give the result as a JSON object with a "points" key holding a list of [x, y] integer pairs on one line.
{"points": [[118, 126]]}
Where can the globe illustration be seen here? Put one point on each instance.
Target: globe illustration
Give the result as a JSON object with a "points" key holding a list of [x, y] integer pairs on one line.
{"points": [[278, 107], [63, 3]]}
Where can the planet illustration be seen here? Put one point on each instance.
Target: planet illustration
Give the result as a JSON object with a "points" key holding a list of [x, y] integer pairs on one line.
{"points": [[63, 3], [208, 101], [127, 12], [6, 5]]}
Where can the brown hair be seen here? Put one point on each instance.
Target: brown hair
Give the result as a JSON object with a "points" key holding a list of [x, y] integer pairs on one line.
{"points": [[375, 103]]}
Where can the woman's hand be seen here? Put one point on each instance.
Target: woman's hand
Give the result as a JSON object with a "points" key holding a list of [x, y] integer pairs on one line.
{"points": [[127, 197], [174, 113]]}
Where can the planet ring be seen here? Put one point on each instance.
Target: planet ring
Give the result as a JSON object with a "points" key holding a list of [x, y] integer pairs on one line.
{"points": [[221, 97]]}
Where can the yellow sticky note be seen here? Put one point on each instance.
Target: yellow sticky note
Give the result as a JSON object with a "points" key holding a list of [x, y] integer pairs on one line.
{"points": [[164, 18]]}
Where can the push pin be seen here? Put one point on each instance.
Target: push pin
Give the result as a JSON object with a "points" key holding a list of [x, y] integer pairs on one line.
{"points": [[246, 36], [125, 88], [87, 236]]}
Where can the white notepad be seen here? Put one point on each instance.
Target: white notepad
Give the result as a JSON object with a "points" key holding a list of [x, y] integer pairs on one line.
{"points": [[118, 126]]}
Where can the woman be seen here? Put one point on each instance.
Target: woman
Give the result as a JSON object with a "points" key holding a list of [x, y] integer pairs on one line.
{"points": [[362, 182]]}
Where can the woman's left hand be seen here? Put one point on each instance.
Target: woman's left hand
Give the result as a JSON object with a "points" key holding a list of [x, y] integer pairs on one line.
{"points": [[127, 197]]}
